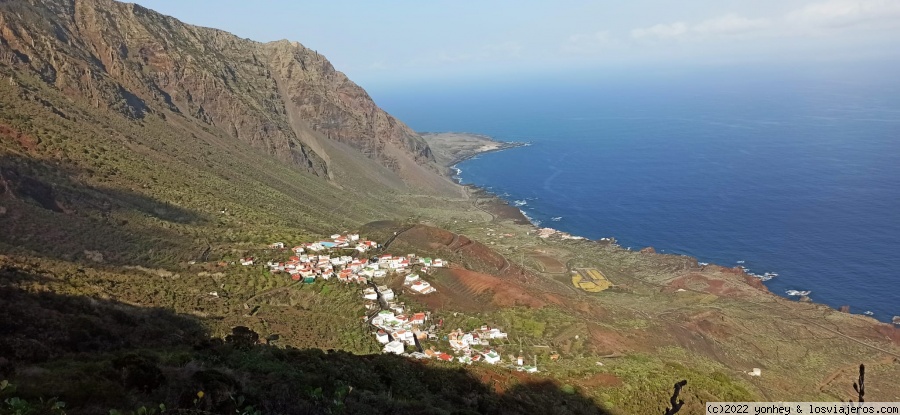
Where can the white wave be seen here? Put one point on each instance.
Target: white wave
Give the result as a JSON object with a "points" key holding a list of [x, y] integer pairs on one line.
{"points": [[869, 313], [556, 219], [519, 203], [533, 221], [741, 262], [764, 277], [797, 293]]}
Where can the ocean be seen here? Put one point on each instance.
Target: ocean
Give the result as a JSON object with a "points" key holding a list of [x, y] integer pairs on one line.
{"points": [[794, 173]]}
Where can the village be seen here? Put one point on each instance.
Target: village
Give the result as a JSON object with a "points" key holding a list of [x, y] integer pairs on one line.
{"points": [[400, 331]]}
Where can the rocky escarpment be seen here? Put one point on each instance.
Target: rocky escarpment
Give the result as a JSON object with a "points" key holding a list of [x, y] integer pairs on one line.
{"points": [[280, 97]]}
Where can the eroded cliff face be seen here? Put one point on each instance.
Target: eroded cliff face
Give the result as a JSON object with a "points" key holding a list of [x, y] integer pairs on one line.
{"points": [[280, 97]]}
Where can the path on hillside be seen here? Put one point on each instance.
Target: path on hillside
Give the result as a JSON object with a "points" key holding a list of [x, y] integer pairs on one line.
{"points": [[390, 240]]}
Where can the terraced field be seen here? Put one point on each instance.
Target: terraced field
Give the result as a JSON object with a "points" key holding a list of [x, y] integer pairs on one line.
{"points": [[590, 280]]}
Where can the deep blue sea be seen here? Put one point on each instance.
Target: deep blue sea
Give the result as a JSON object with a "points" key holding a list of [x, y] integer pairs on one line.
{"points": [[794, 173]]}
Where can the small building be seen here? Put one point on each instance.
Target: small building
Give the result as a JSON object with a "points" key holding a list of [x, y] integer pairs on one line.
{"points": [[370, 294], [394, 347], [410, 279], [277, 245], [387, 294], [309, 279], [382, 337], [495, 334], [422, 287], [382, 317], [404, 336], [491, 357], [437, 263], [246, 261], [418, 318]]}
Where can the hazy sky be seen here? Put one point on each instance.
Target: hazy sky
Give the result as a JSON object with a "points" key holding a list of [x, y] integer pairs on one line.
{"points": [[383, 42]]}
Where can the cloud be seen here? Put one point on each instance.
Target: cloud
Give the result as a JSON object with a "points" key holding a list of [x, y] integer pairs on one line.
{"points": [[588, 43], [845, 13], [661, 31], [730, 24], [726, 25]]}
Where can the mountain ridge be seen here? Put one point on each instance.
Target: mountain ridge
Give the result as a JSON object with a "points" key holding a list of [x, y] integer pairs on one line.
{"points": [[280, 97]]}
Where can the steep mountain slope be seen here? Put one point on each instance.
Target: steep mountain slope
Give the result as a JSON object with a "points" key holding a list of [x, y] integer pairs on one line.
{"points": [[281, 98], [131, 134]]}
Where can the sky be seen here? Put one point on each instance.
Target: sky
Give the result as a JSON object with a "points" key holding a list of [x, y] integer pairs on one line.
{"points": [[389, 42]]}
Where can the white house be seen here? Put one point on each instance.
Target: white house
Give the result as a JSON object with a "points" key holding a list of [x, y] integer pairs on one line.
{"points": [[382, 337], [496, 334], [404, 336], [298, 249], [491, 357], [387, 294], [370, 294], [353, 236], [394, 347], [422, 287], [379, 273], [437, 263], [246, 261], [410, 279], [382, 317], [277, 245]]}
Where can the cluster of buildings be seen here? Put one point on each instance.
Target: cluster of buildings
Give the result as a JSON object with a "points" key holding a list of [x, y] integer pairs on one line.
{"points": [[315, 260], [395, 330]]}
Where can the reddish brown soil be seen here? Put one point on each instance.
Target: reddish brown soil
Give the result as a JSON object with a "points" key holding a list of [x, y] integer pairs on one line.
{"points": [[888, 332], [709, 323], [474, 290], [427, 237], [698, 282], [755, 283], [549, 263], [27, 142], [607, 342]]}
